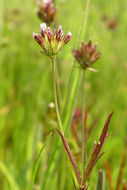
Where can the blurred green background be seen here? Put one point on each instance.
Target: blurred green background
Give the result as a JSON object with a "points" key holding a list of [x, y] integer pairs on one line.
{"points": [[26, 89]]}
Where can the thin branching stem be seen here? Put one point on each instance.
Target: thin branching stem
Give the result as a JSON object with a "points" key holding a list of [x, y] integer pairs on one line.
{"points": [[55, 96]]}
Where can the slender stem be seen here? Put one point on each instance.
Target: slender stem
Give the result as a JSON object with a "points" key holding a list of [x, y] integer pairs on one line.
{"points": [[83, 126], [55, 96], [85, 14], [74, 78]]}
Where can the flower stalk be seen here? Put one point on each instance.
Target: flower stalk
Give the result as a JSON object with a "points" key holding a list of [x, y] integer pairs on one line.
{"points": [[83, 125], [55, 96]]}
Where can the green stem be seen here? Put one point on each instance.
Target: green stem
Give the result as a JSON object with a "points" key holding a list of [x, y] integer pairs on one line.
{"points": [[83, 126], [55, 96], [85, 16], [74, 79]]}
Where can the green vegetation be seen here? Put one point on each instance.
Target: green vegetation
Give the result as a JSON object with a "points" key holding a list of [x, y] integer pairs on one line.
{"points": [[27, 114]]}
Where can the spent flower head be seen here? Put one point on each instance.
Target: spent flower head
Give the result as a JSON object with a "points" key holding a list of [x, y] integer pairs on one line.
{"points": [[51, 41], [46, 11], [86, 55]]}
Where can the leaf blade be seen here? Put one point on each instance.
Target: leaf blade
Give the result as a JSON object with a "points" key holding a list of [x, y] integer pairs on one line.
{"points": [[70, 156]]}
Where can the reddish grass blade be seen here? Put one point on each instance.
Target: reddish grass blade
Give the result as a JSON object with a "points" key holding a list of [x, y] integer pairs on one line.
{"points": [[71, 158], [100, 155], [97, 148], [109, 175], [121, 171]]}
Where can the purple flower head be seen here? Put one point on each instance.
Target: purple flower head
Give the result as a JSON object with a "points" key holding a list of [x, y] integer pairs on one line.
{"points": [[51, 41], [46, 11], [86, 55]]}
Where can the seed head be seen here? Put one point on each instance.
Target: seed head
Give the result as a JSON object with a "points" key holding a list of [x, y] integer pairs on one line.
{"points": [[51, 41], [86, 55], [46, 11]]}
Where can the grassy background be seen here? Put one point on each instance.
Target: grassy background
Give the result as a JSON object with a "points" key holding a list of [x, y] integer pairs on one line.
{"points": [[26, 89]]}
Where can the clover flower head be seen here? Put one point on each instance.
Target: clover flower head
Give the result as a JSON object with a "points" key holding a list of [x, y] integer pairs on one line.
{"points": [[86, 55], [51, 41], [46, 11]]}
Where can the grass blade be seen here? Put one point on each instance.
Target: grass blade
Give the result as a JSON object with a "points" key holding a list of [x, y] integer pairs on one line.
{"points": [[35, 169], [97, 148], [10, 178], [36, 166], [71, 158]]}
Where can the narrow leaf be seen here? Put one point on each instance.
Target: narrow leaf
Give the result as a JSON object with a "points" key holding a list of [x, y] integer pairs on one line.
{"points": [[10, 178], [36, 166], [100, 155], [97, 149], [71, 158]]}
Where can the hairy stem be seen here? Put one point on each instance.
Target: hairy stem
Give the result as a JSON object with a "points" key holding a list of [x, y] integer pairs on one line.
{"points": [[55, 96], [83, 126]]}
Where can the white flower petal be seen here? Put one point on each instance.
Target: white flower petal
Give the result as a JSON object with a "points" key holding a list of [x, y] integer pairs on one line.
{"points": [[43, 26]]}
